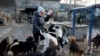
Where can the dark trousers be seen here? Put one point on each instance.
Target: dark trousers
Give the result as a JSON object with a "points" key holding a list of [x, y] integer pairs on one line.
{"points": [[36, 39], [37, 36]]}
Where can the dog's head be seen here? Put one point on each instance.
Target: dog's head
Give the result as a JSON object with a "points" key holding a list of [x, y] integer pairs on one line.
{"points": [[96, 38], [7, 40], [51, 27], [72, 40]]}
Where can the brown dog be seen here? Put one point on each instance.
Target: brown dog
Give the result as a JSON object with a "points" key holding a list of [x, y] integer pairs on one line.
{"points": [[75, 50]]}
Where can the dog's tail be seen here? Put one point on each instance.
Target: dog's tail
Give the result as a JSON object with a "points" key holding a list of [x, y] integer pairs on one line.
{"points": [[81, 52], [85, 41]]}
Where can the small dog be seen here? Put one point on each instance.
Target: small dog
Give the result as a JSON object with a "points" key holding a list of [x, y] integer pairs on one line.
{"points": [[75, 50], [85, 41]]}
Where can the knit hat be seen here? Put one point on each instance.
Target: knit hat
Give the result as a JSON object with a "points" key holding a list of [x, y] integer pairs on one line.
{"points": [[40, 8]]}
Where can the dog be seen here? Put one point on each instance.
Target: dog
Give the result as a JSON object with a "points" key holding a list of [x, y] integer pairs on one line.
{"points": [[4, 45], [47, 38], [74, 48], [96, 41], [85, 41], [21, 48], [59, 34]]}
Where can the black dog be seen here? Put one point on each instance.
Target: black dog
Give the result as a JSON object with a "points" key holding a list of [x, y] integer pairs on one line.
{"points": [[21, 47], [96, 41], [4, 45]]}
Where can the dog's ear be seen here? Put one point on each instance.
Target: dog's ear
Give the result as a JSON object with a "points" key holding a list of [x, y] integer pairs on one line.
{"points": [[44, 30], [97, 34], [51, 24], [15, 40], [12, 36]]}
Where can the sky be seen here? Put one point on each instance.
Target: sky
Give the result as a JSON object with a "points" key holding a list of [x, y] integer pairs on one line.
{"points": [[81, 2]]}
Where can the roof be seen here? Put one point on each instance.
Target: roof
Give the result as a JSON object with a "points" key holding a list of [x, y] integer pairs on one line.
{"points": [[92, 6]]}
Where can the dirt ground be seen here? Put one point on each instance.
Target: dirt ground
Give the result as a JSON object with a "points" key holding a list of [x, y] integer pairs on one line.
{"points": [[20, 32]]}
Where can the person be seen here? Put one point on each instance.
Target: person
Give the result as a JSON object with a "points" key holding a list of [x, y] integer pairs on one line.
{"points": [[38, 23], [79, 19]]}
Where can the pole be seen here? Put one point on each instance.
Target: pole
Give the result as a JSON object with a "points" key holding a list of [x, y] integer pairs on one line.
{"points": [[90, 27], [74, 20]]}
